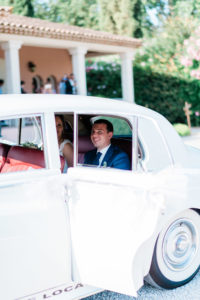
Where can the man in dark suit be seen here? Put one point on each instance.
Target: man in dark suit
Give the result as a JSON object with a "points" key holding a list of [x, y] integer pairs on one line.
{"points": [[105, 154], [70, 85]]}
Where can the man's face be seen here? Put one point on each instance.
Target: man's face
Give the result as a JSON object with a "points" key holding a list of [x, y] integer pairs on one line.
{"points": [[100, 137]]}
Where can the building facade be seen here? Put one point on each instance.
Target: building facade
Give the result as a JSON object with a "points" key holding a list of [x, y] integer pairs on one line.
{"points": [[33, 50]]}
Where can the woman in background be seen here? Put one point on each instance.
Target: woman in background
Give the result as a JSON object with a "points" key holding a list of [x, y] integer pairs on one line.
{"points": [[48, 87]]}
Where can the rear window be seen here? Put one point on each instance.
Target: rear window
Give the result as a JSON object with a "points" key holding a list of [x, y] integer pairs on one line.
{"points": [[22, 131], [21, 144]]}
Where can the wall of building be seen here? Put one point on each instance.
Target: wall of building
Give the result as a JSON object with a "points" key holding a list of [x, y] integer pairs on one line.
{"points": [[1, 53], [48, 62]]}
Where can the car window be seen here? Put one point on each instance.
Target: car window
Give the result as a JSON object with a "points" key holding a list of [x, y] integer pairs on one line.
{"points": [[121, 141], [156, 155], [121, 126], [64, 123], [9, 131], [22, 131], [21, 144], [31, 133], [122, 137]]}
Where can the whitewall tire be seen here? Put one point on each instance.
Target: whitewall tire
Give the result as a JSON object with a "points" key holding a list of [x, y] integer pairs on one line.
{"points": [[176, 257]]}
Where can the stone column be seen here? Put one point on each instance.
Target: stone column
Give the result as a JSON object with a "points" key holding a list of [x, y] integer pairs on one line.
{"points": [[11, 49], [127, 77], [78, 64]]}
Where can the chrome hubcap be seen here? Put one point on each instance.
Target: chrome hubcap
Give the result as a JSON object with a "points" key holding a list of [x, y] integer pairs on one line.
{"points": [[180, 245]]}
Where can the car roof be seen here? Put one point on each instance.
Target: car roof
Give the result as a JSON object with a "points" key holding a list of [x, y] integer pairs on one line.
{"points": [[38, 103], [18, 104]]}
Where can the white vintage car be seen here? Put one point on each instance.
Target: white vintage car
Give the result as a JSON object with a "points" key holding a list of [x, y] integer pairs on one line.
{"points": [[69, 235]]}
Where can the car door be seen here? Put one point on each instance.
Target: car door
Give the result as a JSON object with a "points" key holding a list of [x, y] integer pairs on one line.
{"points": [[112, 213], [35, 252]]}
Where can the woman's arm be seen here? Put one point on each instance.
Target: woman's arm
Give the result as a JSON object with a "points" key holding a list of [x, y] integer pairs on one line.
{"points": [[68, 154]]}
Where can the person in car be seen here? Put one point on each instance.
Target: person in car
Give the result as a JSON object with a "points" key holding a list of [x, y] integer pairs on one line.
{"points": [[65, 145], [105, 154]]}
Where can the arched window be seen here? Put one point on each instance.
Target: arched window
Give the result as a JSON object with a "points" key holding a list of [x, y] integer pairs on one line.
{"points": [[37, 84], [53, 82]]}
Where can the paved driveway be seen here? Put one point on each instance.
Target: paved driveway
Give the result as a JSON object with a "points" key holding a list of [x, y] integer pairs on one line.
{"points": [[194, 138]]}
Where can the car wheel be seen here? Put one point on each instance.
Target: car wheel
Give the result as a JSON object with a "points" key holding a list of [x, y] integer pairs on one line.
{"points": [[176, 255]]}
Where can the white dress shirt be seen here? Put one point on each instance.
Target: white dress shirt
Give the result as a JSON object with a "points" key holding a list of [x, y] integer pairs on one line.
{"points": [[103, 151]]}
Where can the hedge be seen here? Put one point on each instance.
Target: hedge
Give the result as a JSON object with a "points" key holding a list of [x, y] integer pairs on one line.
{"points": [[182, 129], [104, 79], [164, 94]]}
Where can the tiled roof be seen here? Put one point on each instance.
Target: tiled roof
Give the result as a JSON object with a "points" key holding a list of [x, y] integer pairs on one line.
{"points": [[20, 25]]}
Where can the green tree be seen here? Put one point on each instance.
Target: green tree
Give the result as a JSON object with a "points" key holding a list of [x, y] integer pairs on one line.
{"points": [[162, 53], [116, 16], [183, 8], [4, 2], [138, 12], [82, 13], [24, 7], [21, 7], [42, 10], [51, 10], [165, 8]]}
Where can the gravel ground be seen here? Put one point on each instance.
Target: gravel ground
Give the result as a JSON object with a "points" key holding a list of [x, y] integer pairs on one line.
{"points": [[190, 291]]}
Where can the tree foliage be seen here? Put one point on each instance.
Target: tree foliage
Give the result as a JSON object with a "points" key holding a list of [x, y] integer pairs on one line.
{"points": [[51, 10], [191, 56], [184, 8], [162, 53], [103, 79], [80, 13], [137, 16], [24, 7], [21, 7], [116, 16]]}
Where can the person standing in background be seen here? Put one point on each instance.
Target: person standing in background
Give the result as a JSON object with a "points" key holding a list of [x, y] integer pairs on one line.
{"points": [[71, 85], [22, 87], [62, 86], [1, 85], [48, 87]]}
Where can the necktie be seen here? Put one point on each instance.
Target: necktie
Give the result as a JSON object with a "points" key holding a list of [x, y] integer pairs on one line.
{"points": [[96, 160]]}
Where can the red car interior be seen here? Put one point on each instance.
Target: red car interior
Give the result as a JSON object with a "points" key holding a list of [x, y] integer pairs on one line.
{"points": [[84, 145], [3, 154], [19, 159]]}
